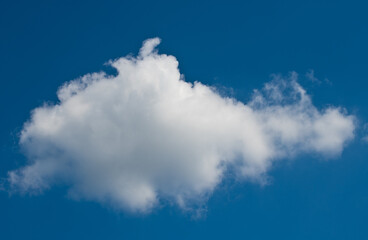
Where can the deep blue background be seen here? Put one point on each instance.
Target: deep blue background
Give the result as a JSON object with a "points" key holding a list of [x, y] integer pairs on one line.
{"points": [[236, 44]]}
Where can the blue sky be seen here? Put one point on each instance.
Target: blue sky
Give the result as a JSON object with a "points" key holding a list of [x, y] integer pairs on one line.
{"points": [[235, 46]]}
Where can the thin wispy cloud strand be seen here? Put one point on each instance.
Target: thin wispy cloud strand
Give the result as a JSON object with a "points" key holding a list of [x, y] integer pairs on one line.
{"points": [[146, 136]]}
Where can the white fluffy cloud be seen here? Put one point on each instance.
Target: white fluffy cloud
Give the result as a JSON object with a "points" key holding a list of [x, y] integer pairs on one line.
{"points": [[146, 136]]}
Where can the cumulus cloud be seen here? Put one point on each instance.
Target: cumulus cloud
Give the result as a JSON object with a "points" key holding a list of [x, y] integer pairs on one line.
{"points": [[146, 136]]}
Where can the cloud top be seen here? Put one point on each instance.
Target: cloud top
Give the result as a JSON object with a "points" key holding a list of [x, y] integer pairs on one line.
{"points": [[146, 136]]}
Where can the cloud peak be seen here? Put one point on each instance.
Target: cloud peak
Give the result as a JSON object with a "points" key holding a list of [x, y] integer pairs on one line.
{"points": [[149, 46]]}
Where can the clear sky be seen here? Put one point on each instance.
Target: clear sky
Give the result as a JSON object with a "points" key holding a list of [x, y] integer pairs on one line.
{"points": [[305, 176]]}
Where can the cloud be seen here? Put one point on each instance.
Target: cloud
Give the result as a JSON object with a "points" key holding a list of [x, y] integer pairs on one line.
{"points": [[365, 132], [311, 77], [145, 136]]}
